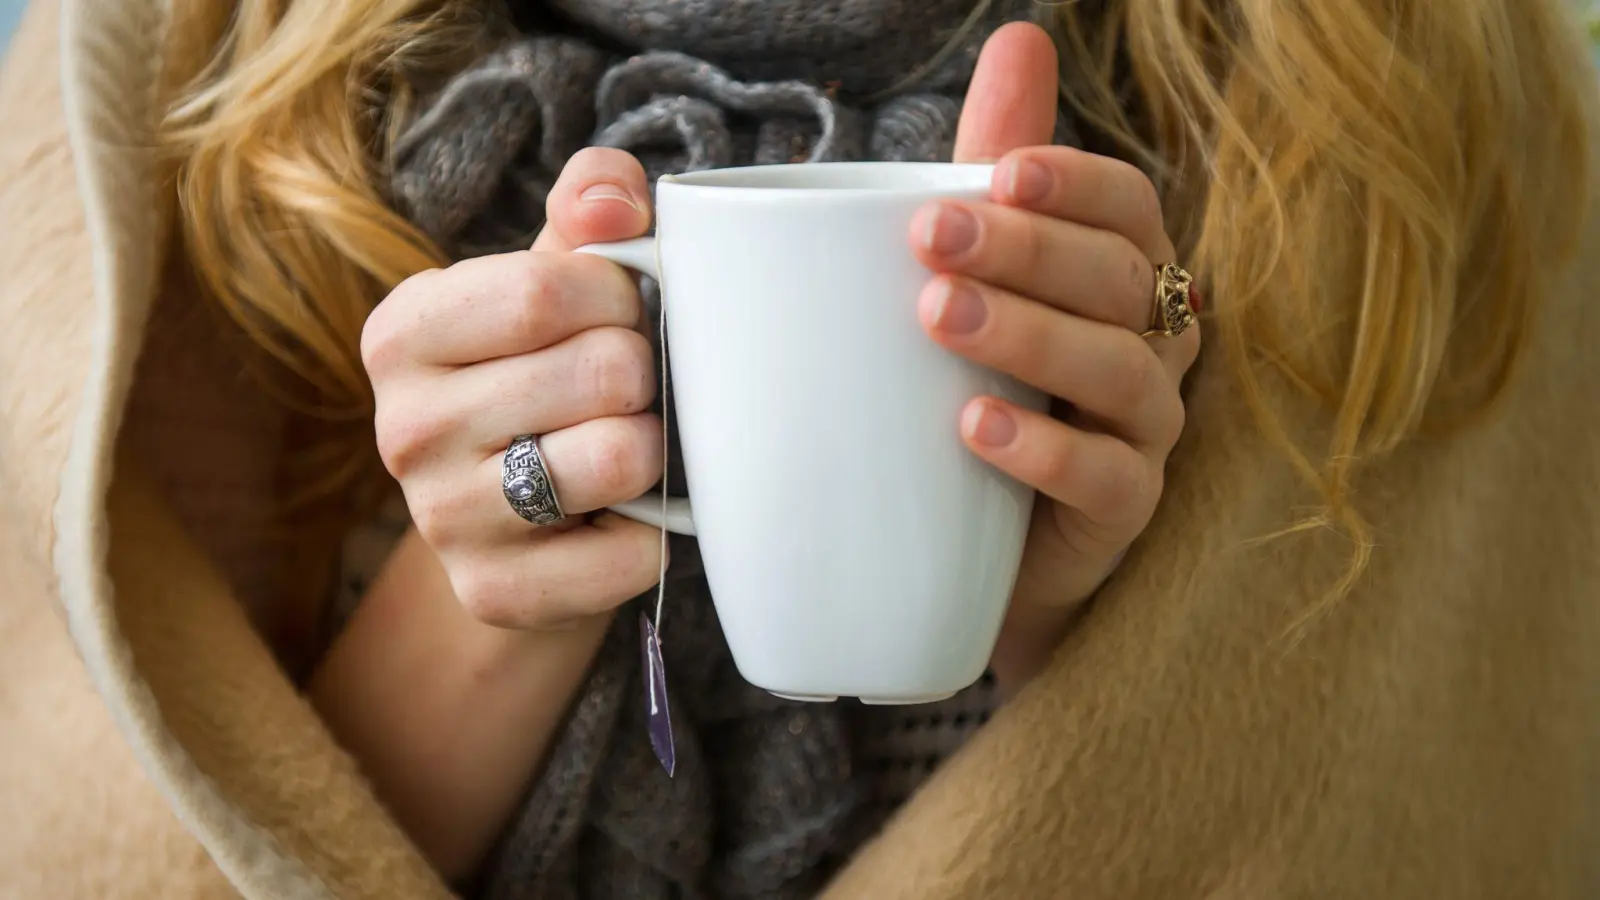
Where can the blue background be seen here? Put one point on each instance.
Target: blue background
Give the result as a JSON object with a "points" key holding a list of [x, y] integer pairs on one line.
{"points": [[10, 12]]}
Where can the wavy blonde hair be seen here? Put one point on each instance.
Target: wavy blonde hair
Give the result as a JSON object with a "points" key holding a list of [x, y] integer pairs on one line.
{"points": [[1366, 186]]}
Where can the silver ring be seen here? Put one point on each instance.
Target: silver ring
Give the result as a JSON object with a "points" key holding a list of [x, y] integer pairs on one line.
{"points": [[525, 481]]}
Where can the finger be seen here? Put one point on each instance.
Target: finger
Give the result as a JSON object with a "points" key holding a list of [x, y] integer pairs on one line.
{"points": [[1108, 483], [597, 374], [593, 464], [601, 195], [1178, 353], [1105, 371], [496, 306], [1012, 98], [1092, 190], [1086, 271], [551, 578]]}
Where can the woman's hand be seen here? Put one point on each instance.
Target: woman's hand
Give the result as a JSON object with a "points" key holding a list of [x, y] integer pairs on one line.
{"points": [[539, 342], [1053, 281], [449, 718]]}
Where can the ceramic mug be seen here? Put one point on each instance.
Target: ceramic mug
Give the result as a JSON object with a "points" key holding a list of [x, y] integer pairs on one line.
{"points": [[852, 544]]}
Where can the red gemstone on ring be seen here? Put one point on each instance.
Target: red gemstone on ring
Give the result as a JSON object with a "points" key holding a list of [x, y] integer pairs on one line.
{"points": [[1194, 298]]}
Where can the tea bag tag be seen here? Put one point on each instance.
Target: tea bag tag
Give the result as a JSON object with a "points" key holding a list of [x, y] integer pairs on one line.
{"points": [[658, 713]]}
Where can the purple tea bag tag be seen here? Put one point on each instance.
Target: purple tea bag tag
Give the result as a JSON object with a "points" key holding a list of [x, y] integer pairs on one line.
{"points": [[655, 679]]}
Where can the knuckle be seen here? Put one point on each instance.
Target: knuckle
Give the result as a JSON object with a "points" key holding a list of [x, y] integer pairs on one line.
{"points": [[634, 562], [1060, 468], [1034, 349], [606, 284], [1142, 197], [410, 434], [619, 459], [1133, 282], [1117, 487], [1141, 282], [380, 348], [394, 450], [1189, 344], [401, 442], [620, 370], [385, 338], [488, 592], [437, 514], [1173, 420], [1133, 372], [539, 289], [1146, 201]]}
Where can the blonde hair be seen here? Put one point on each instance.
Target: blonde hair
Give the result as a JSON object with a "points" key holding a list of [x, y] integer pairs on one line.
{"points": [[1365, 186], [281, 137]]}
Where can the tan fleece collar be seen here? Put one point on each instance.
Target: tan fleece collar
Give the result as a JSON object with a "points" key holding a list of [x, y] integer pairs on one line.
{"points": [[148, 621]]}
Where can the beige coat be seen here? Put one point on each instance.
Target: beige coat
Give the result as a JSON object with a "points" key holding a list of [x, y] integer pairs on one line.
{"points": [[1437, 736]]}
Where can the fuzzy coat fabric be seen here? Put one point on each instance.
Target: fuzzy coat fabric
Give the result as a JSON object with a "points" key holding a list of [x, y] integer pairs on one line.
{"points": [[1437, 736]]}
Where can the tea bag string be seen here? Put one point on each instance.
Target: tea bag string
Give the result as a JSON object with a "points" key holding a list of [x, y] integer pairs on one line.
{"points": [[659, 718], [666, 447]]}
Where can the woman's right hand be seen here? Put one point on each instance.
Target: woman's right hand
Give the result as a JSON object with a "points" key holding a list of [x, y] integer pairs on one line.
{"points": [[541, 342]]}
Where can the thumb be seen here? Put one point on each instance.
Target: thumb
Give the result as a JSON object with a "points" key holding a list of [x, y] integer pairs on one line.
{"points": [[601, 195], [1012, 100]]}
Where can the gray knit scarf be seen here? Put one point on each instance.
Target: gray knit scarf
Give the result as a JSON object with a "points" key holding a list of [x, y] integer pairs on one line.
{"points": [[765, 802]]}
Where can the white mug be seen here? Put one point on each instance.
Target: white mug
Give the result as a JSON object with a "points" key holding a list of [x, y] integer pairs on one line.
{"points": [[853, 545]]}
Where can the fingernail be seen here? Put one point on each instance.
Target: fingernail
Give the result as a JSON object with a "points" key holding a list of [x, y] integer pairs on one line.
{"points": [[600, 192], [1031, 180], [951, 231], [992, 426], [958, 308]]}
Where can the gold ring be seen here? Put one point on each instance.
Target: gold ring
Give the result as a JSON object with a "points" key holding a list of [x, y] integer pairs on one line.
{"points": [[1172, 315]]}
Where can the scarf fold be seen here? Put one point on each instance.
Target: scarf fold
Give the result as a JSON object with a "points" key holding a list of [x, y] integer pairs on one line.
{"points": [[768, 798], [475, 168]]}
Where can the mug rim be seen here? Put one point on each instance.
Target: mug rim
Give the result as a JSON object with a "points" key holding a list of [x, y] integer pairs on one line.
{"points": [[837, 179]]}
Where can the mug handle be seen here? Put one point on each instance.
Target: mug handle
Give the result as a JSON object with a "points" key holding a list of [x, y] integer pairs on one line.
{"points": [[640, 255]]}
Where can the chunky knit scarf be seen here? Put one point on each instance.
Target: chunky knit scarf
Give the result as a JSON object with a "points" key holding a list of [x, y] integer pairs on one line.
{"points": [[769, 795]]}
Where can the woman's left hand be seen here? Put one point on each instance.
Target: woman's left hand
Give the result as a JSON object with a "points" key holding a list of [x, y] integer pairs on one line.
{"points": [[1053, 281]]}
